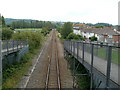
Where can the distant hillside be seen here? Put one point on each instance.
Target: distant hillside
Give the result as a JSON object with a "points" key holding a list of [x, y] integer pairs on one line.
{"points": [[10, 20]]}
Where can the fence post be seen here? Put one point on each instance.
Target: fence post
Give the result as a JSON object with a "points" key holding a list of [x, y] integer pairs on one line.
{"points": [[13, 44], [78, 50], [91, 69], [71, 47], [74, 48], [0, 64], [17, 44], [83, 53], [106, 51], [109, 56], [74, 64], [7, 47]]}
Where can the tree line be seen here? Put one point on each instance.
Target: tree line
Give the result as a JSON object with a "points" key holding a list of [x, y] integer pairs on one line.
{"points": [[8, 29], [32, 24]]}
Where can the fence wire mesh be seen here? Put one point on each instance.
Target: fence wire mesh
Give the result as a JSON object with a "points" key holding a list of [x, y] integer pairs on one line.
{"points": [[103, 57]]}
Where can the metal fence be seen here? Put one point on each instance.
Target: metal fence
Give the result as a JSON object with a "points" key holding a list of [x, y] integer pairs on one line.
{"points": [[12, 51], [9, 46], [102, 61]]}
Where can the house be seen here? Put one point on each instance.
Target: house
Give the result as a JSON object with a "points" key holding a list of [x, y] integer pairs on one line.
{"points": [[109, 35]]}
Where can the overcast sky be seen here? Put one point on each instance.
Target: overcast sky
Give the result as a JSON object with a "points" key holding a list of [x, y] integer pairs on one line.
{"points": [[88, 11]]}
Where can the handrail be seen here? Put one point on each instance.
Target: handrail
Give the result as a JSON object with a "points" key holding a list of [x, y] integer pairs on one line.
{"points": [[12, 45]]}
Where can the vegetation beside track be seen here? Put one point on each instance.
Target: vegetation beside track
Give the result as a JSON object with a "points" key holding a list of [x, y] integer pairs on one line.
{"points": [[82, 81], [13, 73]]}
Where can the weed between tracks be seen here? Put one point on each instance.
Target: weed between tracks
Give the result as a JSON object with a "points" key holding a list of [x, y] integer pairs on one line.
{"points": [[82, 81]]}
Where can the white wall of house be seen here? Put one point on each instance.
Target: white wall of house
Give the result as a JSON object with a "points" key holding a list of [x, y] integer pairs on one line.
{"points": [[76, 31], [98, 36], [76, 27], [88, 35]]}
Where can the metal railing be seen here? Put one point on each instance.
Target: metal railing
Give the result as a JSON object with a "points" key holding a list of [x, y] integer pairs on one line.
{"points": [[100, 57], [9, 46]]}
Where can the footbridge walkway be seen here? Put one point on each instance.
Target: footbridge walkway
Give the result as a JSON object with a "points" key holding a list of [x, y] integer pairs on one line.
{"points": [[101, 60], [10, 46], [12, 51]]}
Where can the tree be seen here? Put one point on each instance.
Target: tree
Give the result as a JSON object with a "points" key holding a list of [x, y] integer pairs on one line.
{"points": [[66, 29], [73, 36], [35, 39], [59, 29], [45, 30], [3, 21], [6, 33], [32, 24]]}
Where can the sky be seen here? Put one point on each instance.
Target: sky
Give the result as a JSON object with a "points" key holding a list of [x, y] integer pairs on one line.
{"points": [[87, 11]]}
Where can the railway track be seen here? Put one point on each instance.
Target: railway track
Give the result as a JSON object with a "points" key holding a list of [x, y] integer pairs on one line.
{"points": [[53, 70]]}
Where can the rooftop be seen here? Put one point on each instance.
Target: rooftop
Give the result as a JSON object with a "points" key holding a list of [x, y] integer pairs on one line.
{"points": [[102, 31]]}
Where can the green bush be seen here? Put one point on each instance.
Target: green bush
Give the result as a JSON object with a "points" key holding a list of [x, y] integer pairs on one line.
{"points": [[93, 38], [82, 81], [66, 29], [6, 33], [73, 36], [81, 37], [45, 30], [98, 26], [13, 73], [35, 39]]}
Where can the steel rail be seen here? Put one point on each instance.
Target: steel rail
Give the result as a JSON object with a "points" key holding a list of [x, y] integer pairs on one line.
{"points": [[57, 66], [54, 41], [48, 69]]}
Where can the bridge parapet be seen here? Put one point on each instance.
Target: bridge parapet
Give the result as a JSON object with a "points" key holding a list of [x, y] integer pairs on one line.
{"points": [[10, 46], [12, 51], [100, 59]]}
